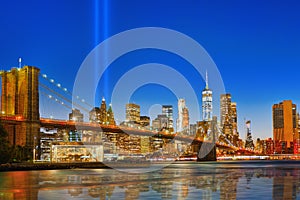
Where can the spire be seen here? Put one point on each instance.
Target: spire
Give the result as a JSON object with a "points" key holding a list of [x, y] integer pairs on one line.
{"points": [[20, 62], [103, 99], [109, 108], [206, 80]]}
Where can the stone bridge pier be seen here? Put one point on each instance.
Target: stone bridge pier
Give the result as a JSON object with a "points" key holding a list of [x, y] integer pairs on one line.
{"points": [[207, 150]]}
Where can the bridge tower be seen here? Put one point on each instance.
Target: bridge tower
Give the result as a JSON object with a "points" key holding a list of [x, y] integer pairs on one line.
{"points": [[207, 150], [20, 100]]}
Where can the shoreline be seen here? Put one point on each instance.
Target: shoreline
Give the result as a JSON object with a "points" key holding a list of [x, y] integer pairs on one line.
{"points": [[99, 165], [49, 166]]}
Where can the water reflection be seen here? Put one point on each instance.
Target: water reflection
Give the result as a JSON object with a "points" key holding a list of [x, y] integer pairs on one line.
{"points": [[178, 181]]}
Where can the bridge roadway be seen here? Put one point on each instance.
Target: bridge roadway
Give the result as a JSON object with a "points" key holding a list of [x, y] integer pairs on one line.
{"points": [[128, 130], [55, 123]]}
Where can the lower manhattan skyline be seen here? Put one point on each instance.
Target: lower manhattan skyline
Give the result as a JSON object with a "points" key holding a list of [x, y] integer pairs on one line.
{"points": [[172, 99], [255, 46]]}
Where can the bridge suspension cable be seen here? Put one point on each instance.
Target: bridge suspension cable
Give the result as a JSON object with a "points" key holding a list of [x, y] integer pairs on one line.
{"points": [[63, 97], [65, 90], [219, 131], [55, 99]]}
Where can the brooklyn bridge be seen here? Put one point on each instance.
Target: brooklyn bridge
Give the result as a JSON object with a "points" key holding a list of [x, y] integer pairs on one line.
{"points": [[20, 116]]}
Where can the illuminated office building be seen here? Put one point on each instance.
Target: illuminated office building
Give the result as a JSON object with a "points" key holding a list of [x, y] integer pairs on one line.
{"points": [[144, 121], [76, 115], [249, 141], [225, 105], [110, 119], [168, 111], [284, 126], [102, 115], [94, 115], [103, 112], [160, 123], [183, 117], [132, 112], [228, 116]]}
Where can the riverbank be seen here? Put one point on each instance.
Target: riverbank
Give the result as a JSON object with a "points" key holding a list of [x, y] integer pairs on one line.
{"points": [[132, 165], [49, 166]]}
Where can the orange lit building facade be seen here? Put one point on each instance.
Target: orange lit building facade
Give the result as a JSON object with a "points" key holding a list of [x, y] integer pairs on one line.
{"points": [[285, 131]]}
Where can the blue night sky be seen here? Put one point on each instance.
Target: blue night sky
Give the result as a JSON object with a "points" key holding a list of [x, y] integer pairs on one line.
{"points": [[255, 45]]}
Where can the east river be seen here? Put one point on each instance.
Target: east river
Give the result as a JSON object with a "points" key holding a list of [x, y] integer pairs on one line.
{"points": [[191, 180]]}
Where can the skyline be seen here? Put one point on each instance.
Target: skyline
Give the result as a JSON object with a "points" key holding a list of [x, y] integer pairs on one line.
{"points": [[254, 45]]}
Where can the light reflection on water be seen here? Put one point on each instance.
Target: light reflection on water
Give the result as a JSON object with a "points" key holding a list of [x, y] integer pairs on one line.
{"points": [[226, 180]]}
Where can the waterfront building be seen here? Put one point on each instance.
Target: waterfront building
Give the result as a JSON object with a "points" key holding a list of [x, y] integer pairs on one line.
{"points": [[183, 117], [207, 102], [284, 126], [47, 137], [128, 144], [76, 152], [75, 136], [249, 141], [297, 137], [145, 144], [267, 146], [168, 111], [132, 112], [76, 115]]}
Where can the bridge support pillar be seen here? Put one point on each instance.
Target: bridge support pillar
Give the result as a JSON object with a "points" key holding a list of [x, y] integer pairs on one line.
{"points": [[207, 150]]}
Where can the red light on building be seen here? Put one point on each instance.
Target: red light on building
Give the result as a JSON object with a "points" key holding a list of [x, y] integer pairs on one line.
{"points": [[296, 146]]}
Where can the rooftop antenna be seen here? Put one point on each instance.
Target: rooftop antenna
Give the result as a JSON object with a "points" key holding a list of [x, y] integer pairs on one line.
{"points": [[20, 62], [206, 80]]}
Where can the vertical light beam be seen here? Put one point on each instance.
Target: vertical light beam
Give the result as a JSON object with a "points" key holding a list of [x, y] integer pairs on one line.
{"points": [[101, 27], [105, 36]]}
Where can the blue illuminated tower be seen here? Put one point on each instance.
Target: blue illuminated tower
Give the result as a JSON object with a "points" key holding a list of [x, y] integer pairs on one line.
{"points": [[207, 102]]}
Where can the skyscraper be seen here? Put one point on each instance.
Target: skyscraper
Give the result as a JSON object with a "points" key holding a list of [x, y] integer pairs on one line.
{"points": [[234, 117], [168, 111], [207, 102], [284, 126], [249, 141], [102, 115], [228, 116], [160, 123], [225, 105], [76, 115], [103, 112], [94, 115], [110, 116], [183, 117], [132, 112]]}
